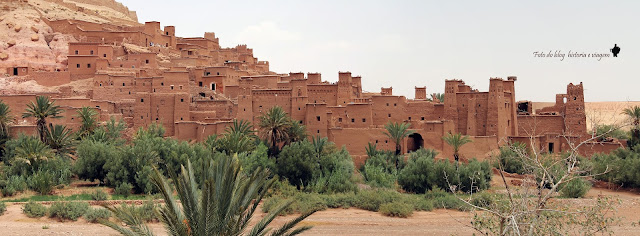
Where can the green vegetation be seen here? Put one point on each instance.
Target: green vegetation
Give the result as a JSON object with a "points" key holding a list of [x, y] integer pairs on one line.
{"points": [[456, 141], [34, 210], [95, 215], [68, 210], [99, 195], [3, 208], [223, 187]]}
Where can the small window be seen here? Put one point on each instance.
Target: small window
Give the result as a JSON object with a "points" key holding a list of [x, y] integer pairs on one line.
{"points": [[91, 52], [171, 87], [122, 84], [386, 141], [77, 65], [298, 108], [200, 84], [76, 52], [318, 131], [180, 118], [395, 104], [574, 98], [387, 104], [141, 99], [389, 115], [376, 141], [364, 120], [217, 73], [162, 84], [318, 118], [181, 99], [353, 120], [339, 119], [156, 118], [104, 55], [409, 117], [146, 61]]}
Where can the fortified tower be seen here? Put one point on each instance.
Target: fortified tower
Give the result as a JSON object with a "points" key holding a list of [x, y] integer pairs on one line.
{"points": [[345, 88], [575, 117], [421, 93]]}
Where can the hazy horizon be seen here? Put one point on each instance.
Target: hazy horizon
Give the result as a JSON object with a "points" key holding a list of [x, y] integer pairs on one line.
{"points": [[421, 43]]}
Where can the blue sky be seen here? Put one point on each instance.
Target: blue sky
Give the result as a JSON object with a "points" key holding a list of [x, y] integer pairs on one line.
{"points": [[421, 43]]}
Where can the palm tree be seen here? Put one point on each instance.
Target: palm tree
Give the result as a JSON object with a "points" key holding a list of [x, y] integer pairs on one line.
{"points": [[456, 141], [242, 127], [274, 126], [634, 114], [319, 143], [297, 132], [32, 152], [5, 121], [41, 110], [59, 138], [438, 97], [371, 149], [397, 132], [223, 206], [89, 122]]}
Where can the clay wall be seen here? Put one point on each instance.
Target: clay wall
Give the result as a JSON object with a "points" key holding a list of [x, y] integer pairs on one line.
{"points": [[323, 93], [540, 125], [50, 78]]}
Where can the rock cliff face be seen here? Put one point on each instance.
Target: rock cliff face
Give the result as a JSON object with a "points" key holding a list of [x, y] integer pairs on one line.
{"points": [[27, 39]]}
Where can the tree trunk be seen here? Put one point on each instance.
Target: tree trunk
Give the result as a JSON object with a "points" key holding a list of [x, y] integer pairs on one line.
{"points": [[41, 126]]}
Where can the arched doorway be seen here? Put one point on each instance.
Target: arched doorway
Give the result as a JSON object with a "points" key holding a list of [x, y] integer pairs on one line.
{"points": [[414, 142]]}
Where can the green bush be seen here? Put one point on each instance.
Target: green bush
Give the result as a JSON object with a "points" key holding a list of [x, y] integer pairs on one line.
{"points": [[42, 182], [377, 176], [3, 208], [339, 200], [123, 189], [297, 162], [372, 199], [34, 210], [511, 159], [99, 195], [396, 209], [146, 211], [257, 158], [443, 199], [68, 210], [576, 188], [423, 173], [13, 184], [302, 203], [335, 173], [92, 157], [95, 215]]}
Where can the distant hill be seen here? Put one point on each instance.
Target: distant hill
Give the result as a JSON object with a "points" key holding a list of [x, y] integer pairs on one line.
{"points": [[600, 112], [26, 39]]}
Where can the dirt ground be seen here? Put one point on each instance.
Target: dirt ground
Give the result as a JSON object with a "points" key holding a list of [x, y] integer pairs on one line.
{"points": [[332, 221]]}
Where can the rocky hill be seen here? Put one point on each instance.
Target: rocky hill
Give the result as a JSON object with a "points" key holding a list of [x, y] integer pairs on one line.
{"points": [[27, 39]]}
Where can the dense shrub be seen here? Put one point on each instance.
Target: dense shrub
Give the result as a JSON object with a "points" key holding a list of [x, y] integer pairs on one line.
{"points": [[99, 195], [511, 159], [3, 208], [13, 184], [146, 212], [372, 199], [335, 173], [296, 162], [68, 210], [42, 182], [378, 176], [123, 189], [34, 210], [92, 157], [94, 215], [622, 167], [576, 188], [396, 209], [422, 173], [258, 158]]}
